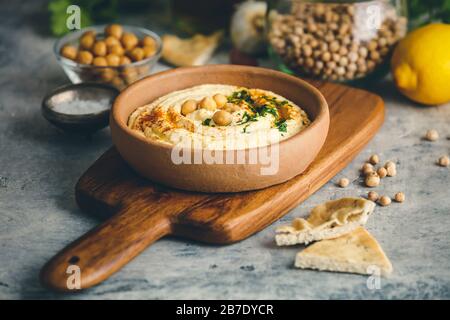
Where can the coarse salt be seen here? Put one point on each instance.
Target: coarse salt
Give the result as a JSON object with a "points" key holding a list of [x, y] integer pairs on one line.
{"points": [[80, 107]]}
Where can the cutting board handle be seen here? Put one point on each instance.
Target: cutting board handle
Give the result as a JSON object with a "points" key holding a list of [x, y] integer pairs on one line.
{"points": [[104, 250]]}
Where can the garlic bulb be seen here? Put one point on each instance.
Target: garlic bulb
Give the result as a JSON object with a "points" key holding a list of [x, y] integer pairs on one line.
{"points": [[247, 27]]}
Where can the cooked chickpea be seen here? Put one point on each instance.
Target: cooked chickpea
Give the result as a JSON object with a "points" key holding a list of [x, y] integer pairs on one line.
{"points": [[444, 161], [367, 168], [99, 49], [399, 197], [390, 164], [372, 180], [85, 57], [148, 41], [69, 52], [384, 201], [374, 159], [432, 135], [111, 41], [344, 182], [124, 60], [114, 30], [220, 100], [188, 106], [118, 82], [372, 196], [382, 172], [231, 107], [222, 118], [113, 60], [208, 103], [116, 49], [87, 41], [149, 51], [129, 40], [100, 62], [137, 54], [108, 74]]}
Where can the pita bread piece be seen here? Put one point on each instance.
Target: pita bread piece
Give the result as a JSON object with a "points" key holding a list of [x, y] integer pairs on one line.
{"points": [[326, 221], [355, 252], [193, 51]]}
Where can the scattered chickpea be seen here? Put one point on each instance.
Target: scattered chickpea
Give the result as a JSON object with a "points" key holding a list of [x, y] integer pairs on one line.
{"points": [[344, 182], [222, 118], [382, 172], [129, 40], [372, 196], [391, 171], [220, 100], [100, 62], [432, 135], [113, 60], [114, 30], [399, 197], [367, 168], [69, 52], [188, 106], [85, 57], [99, 49], [390, 164], [137, 54], [384, 201], [374, 159], [372, 180], [208, 103], [444, 161]]}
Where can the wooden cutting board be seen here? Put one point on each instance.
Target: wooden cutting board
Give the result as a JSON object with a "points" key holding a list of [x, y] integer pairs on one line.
{"points": [[142, 211]]}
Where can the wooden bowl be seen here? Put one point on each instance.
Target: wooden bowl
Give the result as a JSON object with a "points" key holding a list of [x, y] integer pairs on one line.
{"points": [[153, 160]]}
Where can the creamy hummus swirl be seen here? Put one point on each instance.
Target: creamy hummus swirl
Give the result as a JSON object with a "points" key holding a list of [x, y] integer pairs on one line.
{"points": [[258, 118]]}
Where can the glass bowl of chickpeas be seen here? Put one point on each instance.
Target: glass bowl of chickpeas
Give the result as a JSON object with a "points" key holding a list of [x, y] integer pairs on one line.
{"points": [[337, 40], [114, 54]]}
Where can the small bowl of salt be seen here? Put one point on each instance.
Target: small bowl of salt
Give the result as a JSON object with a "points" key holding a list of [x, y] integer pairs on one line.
{"points": [[79, 108]]}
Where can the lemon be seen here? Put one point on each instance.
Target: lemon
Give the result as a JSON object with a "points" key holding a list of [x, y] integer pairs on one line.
{"points": [[421, 64]]}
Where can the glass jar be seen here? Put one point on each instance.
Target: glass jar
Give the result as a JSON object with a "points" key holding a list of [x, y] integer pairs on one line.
{"points": [[335, 40]]}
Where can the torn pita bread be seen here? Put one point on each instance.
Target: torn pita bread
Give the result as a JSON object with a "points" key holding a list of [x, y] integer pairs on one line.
{"points": [[194, 51], [326, 221], [355, 252]]}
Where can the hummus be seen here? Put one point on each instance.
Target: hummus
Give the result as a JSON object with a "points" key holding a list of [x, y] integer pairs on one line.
{"points": [[253, 118]]}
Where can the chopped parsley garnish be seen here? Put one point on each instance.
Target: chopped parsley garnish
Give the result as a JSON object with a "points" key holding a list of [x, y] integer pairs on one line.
{"points": [[268, 110], [281, 125], [206, 122]]}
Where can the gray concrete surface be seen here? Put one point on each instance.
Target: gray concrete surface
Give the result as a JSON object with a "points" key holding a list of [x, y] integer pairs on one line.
{"points": [[39, 167]]}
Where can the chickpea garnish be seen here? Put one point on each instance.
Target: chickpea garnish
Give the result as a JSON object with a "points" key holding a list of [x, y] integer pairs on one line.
{"points": [[116, 49], [208, 103], [137, 54], [124, 60], [382, 172], [220, 100], [129, 40], [343, 182], [111, 41], [148, 51], [399, 197], [374, 159], [222, 118], [113, 60], [372, 196], [231, 107], [69, 52], [367, 168], [188, 106], [87, 41], [372, 180], [100, 62], [384, 201], [114, 30], [85, 57], [99, 49], [432, 135], [444, 161]]}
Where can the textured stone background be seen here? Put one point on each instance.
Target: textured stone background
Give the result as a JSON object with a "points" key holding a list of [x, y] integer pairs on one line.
{"points": [[39, 167]]}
